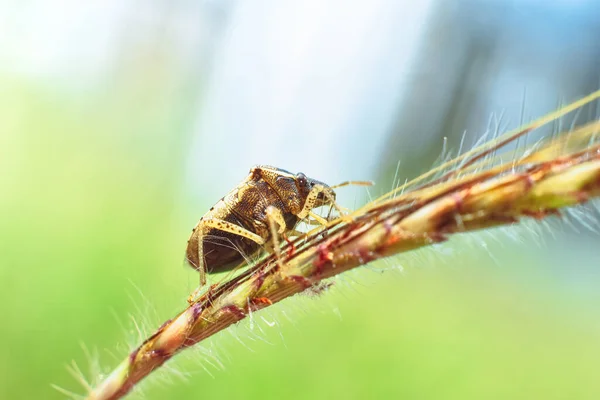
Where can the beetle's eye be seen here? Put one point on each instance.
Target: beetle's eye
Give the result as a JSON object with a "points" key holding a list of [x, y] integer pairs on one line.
{"points": [[301, 178]]}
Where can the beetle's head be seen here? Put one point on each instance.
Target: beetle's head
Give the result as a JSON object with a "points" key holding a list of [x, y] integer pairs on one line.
{"points": [[293, 189], [306, 184]]}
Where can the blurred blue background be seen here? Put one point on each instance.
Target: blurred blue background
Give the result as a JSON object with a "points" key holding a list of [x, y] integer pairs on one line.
{"points": [[122, 122]]}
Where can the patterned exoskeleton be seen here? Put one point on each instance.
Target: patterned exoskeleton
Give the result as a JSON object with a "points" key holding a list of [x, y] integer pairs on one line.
{"points": [[269, 202]]}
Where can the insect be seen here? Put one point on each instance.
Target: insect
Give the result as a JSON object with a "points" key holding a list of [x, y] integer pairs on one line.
{"points": [[268, 203]]}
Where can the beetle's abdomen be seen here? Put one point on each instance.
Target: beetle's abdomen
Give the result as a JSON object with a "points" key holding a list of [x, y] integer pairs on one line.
{"points": [[222, 250], [245, 207]]}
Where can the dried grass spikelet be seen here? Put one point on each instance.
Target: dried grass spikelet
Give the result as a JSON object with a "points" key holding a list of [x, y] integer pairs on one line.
{"points": [[479, 192]]}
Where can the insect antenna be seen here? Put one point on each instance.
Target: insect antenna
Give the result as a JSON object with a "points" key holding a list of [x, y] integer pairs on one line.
{"points": [[354, 183]]}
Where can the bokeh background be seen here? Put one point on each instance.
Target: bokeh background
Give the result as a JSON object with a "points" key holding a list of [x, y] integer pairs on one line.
{"points": [[122, 122]]}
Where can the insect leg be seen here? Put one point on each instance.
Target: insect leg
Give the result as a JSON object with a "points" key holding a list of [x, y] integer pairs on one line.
{"points": [[201, 230], [201, 265], [295, 233], [274, 217], [225, 226], [311, 200], [215, 223], [320, 220]]}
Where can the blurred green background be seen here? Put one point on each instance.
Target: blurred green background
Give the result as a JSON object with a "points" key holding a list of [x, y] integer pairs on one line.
{"points": [[122, 122]]}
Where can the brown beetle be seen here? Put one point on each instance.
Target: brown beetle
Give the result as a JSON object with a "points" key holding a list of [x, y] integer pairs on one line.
{"points": [[269, 202]]}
